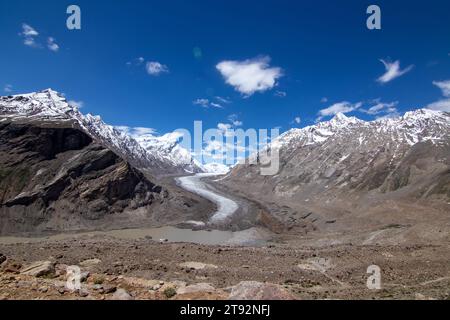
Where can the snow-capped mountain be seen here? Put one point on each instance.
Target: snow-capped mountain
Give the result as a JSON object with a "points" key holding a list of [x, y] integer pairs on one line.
{"points": [[49, 106], [415, 126], [345, 154], [217, 168], [170, 151]]}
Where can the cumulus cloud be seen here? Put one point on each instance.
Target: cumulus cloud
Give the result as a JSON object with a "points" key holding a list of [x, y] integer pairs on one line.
{"points": [[393, 71], [297, 120], [340, 107], [8, 88], [155, 68], [52, 45], [250, 76], [443, 104], [77, 104]]}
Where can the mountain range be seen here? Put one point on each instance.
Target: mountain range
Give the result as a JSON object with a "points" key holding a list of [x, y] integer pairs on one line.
{"points": [[61, 169]]}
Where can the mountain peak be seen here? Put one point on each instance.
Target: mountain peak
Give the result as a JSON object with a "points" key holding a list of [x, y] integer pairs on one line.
{"points": [[341, 118]]}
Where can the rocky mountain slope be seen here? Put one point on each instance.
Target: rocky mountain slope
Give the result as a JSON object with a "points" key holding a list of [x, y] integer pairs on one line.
{"points": [[62, 171], [346, 171]]}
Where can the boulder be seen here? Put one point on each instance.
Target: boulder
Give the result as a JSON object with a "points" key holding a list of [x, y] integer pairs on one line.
{"points": [[90, 263], [198, 287], [197, 265], [253, 290], [121, 294], [39, 269]]}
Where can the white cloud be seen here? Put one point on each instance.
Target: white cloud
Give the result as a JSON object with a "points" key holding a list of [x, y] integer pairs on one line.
{"points": [[136, 131], [280, 94], [8, 88], [29, 34], [138, 61], [443, 104], [77, 104], [30, 38], [223, 100], [205, 103], [444, 86], [324, 100], [382, 107], [51, 44], [29, 31], [155, 68], [297, 120], [249, 76], [223, 127], [201, 102], [392, 71], [233, 118], [216, 105], [340, 107]]}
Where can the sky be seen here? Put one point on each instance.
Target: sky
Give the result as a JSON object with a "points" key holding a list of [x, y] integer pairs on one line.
{"points": [[247, 64]]}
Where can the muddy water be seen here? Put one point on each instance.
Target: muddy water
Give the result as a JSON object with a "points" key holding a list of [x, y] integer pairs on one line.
{"points": [[226, 208], [252, 236]]}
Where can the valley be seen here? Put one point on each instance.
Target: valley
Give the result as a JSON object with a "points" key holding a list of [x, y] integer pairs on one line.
{"points": [[143, 220]]}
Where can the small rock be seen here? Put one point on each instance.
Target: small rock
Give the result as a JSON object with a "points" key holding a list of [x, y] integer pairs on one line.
{"points": [[156, 287], [61, 290], [121, 294], [43, 289], [83, 293], [39, 269], [97, 287], [84, 276], [109, 289], [2, 258]]}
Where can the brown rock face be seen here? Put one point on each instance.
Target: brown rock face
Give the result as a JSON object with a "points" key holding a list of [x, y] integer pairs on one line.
{"points": [[58, 178]]}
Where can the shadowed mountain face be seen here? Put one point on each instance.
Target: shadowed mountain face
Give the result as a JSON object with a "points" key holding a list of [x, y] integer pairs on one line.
{"points": [[56, 178]]}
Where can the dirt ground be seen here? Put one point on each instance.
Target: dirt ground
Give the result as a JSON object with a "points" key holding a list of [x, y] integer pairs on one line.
{"points": [[147, 269]]}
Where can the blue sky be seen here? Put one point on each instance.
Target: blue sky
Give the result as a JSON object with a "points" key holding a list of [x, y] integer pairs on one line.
{"points": [[261, 64]]}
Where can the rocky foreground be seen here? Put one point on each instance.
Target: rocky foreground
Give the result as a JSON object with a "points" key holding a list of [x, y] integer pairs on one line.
{"points": [[146, 269]]}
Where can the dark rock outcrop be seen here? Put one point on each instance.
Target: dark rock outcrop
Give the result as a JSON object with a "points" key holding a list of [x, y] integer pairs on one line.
{"points": [[58, 178]]}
